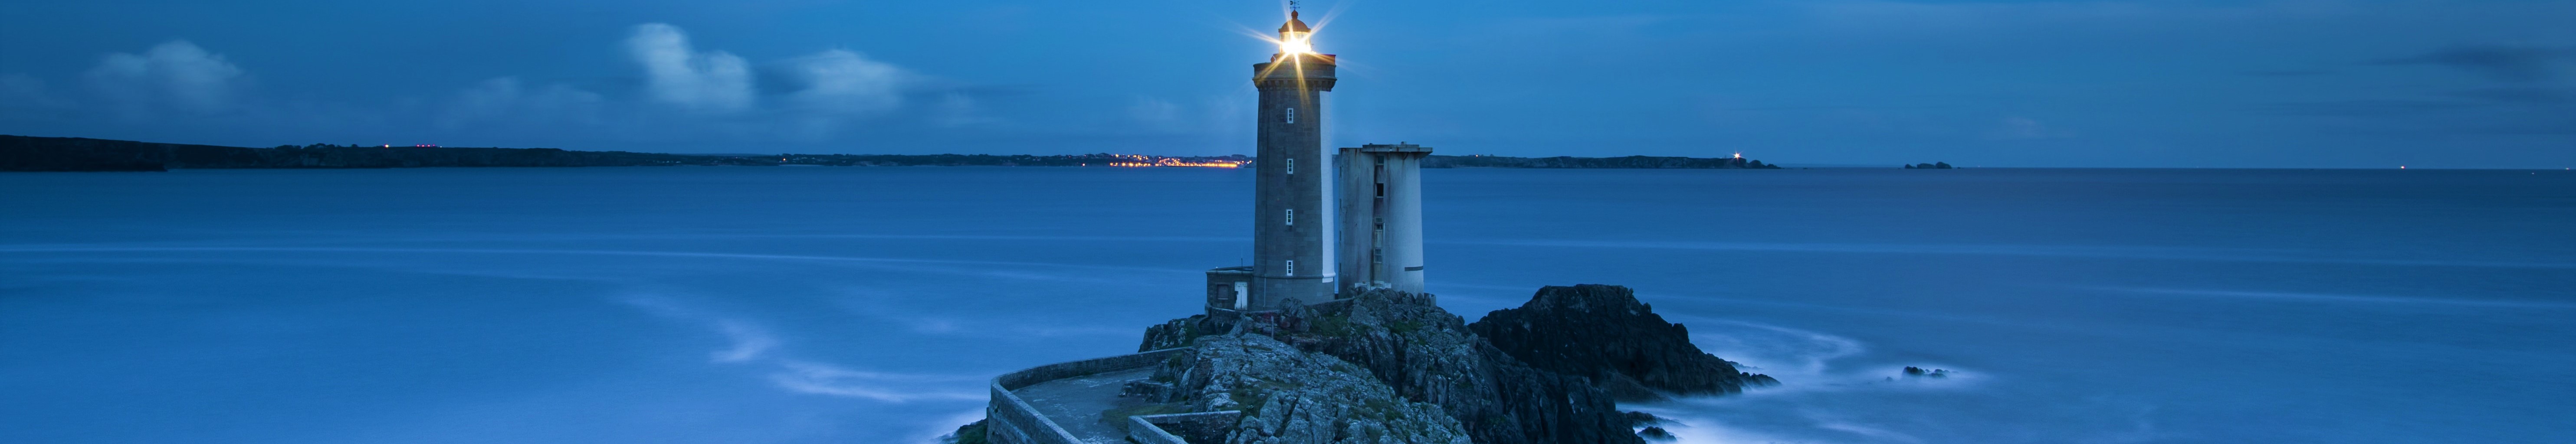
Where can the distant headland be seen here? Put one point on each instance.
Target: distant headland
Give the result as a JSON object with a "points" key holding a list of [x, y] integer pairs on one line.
{"points": [[25, 153]]}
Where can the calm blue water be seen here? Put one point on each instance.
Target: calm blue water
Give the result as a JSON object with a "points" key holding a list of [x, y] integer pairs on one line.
{"points": [[795, 305]]}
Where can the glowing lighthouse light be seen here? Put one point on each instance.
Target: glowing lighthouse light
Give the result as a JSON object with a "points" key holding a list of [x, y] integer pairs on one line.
{"points": [[1296, 46], [1294, 36]]}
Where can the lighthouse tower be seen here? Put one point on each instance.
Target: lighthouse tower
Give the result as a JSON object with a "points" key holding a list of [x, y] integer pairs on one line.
{"points": [[1292, 229]]}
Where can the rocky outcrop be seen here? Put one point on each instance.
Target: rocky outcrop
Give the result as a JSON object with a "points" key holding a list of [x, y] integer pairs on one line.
{"points": [[1433, 357], [1290, 396], [1428, 355], [1604, 333], [1524, 385], [971, 433], [1176, 333], [1919, 372]]}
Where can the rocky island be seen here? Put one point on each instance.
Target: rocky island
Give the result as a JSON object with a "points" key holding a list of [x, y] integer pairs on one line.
{"points": [[1381, 366]]}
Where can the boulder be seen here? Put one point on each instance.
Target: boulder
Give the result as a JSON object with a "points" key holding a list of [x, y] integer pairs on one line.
{"points": [[1602, 332]]}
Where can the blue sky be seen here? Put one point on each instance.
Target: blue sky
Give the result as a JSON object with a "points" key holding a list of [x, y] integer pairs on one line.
{"points": [[2307, 83]]}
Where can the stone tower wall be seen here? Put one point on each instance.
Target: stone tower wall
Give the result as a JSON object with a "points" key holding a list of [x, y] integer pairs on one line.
{"points": [[1292, 227]]}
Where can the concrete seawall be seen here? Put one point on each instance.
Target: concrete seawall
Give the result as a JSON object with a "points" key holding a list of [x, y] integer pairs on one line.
{"points": [[1013, 420], [1175, 428]]}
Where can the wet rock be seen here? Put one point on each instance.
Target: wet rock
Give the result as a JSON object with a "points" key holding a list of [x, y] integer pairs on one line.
{"points": [[1175, 333], [971, 433], [1429, 355], [1291, 396], [1655, 433], [1604, 333], [1636, 419]]}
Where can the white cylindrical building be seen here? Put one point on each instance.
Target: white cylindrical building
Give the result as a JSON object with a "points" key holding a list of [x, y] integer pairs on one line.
{"points": [[1380, 201]]}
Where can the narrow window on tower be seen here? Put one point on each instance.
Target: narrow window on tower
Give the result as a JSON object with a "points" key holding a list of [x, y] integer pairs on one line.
{"points": [[1292, 115], [1292, 166], [1292, 217], [1292, 267]]}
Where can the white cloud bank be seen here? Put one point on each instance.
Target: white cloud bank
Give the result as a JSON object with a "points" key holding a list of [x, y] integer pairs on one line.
{"points": [[678, 74], [844, 82], [687, 93], [836, 82], [176, 73]]}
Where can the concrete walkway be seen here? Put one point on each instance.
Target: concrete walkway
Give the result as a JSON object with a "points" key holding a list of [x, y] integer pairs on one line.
{"points": [[1075, 403]]}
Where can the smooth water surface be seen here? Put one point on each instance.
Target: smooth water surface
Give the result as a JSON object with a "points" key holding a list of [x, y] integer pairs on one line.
{"points": [[840, 305]]}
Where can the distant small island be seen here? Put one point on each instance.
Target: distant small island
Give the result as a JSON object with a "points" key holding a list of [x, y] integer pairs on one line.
{"points": [[1929, 166], [25, 153]]}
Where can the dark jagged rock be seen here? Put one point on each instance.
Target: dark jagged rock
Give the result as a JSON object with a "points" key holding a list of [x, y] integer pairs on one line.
{"points": [[1291, 396], [1642, 419], [971, 433], [1176, 333], [1655, 433], [1602, 332], [1428, 355]]}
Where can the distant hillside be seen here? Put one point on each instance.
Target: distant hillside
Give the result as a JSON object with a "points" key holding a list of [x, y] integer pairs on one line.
{"points": [[1592, 162], [24, 153]]}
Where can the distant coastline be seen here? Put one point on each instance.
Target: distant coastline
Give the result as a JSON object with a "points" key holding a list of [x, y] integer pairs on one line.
{"points": [[26, 153]]}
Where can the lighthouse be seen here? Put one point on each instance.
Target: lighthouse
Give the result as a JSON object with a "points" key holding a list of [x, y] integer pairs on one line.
{"points": [[1292, 228]]}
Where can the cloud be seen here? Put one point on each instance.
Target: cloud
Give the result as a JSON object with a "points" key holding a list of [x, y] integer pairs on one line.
{"points": [[504, 99], [2502, 62], [175, 73], [675, 73], [844, 82]]}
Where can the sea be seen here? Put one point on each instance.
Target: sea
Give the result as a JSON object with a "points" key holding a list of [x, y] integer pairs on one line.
{"points": [[872, 304]]}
